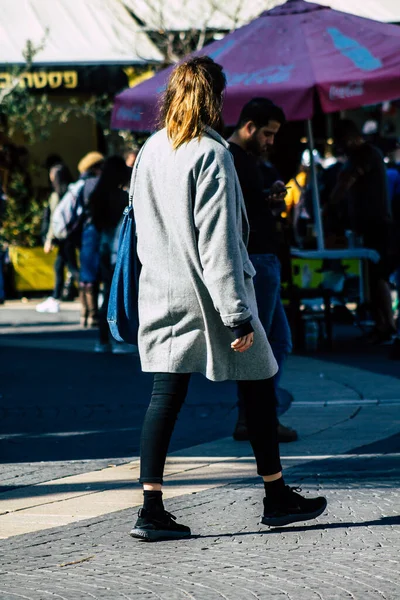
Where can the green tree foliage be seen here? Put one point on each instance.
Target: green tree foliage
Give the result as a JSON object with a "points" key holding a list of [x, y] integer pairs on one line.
{"points": [[31, 116], [23, 215]]}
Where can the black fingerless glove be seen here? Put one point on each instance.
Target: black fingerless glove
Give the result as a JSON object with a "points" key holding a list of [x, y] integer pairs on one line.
{"points": [[242, 329]]}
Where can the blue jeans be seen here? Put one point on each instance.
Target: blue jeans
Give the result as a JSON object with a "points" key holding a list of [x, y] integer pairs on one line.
{"points": [[267, 285], [89, 256]]}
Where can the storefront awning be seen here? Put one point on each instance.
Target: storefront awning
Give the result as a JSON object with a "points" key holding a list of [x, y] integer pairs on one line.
{"points": [[87, 32]]}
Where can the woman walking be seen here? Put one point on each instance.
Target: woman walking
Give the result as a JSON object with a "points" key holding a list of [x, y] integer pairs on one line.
{"points": [[197, 308]]}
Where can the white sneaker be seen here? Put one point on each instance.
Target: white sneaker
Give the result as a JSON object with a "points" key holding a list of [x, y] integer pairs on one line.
{"points": [[51, 305]]}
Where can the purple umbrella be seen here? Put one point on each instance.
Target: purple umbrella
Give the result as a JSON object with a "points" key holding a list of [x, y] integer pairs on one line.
{"points": [[289, 54]]}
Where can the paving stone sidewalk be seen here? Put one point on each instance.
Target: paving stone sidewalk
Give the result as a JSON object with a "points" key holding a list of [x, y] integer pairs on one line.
{"points": [[351, 552]]}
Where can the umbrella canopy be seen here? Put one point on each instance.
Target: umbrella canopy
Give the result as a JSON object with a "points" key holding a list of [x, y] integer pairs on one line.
{"points": [[288, 54]]}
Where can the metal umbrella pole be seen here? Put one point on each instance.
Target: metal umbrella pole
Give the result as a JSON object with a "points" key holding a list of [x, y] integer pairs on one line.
{"points": [[315, 191]]}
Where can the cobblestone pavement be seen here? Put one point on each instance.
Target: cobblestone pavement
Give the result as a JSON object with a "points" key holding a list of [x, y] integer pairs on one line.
{"points": [[351, 552], [52, 427]]}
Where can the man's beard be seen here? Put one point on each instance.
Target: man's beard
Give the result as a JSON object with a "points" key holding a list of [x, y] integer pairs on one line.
{"points": [[253, 146]]}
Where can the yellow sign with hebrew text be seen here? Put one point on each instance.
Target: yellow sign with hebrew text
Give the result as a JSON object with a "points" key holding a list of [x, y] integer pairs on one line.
{"points": [[41, 79]]}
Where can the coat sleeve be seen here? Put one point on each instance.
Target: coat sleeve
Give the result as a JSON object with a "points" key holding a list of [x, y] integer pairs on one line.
{"points": [[219, 241]]}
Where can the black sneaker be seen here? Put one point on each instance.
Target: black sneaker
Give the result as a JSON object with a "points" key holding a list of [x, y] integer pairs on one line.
{"points": [[158, 526], [291, 508]]}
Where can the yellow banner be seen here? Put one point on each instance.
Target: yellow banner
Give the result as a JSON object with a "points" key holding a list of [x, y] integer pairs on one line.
{"points": [[41, 79], [33, 269]]}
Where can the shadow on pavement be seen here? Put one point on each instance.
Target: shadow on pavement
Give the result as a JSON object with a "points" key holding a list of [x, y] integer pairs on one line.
{"points": [[352, 350], [380, 468], [59, 405], [354, 472], [383, 521], [389, 444]]}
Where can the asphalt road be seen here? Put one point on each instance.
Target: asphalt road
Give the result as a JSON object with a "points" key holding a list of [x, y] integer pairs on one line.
{"points": [[60, 405]]}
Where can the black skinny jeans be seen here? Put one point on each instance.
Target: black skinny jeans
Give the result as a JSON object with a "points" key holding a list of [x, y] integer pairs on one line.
{"points": [[169, 393]]}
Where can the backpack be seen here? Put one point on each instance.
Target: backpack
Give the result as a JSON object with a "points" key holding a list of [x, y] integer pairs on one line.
{"points": [[70, 211]]}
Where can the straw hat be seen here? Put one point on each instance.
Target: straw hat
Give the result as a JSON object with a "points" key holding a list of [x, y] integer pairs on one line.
{"points": [[89, 160]]}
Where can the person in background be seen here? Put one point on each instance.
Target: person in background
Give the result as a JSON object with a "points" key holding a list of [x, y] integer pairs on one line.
{"points": [[90, 168], [2, 211], [393, 174], [197, 307], [363, 178], [130, 157], [60, 178], [269, 171], [335, 223], [70, 291], [51, 161], [106, 205], [259, 122], [302, 209], [296, 188]]}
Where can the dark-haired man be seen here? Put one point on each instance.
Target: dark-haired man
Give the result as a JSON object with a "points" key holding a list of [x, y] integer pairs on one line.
{"points": [[259, 122]]}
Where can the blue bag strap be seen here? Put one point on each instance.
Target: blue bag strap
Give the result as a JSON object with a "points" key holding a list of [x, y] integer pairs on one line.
{"points": [[134, 171], [133, 179]]}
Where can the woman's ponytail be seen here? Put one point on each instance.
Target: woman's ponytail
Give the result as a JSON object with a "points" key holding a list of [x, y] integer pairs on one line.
{"points": [[193, 100]]}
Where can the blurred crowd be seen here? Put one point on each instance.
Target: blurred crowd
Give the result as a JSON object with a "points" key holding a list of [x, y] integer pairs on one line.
{"points": [[87, 239], [359, 191]]}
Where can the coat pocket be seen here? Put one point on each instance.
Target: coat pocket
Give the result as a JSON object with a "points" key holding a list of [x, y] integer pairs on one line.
{"points": [[248, 268]]}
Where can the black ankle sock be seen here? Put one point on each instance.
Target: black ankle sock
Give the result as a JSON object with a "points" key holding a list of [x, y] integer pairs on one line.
{"points": [[153, 500], [274, 488]]}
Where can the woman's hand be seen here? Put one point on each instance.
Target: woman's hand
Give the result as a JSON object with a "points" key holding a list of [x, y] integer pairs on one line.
{"points": [[243, 343]]}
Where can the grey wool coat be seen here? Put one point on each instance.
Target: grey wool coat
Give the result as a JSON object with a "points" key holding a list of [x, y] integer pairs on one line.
{"points": [[196, 276]]}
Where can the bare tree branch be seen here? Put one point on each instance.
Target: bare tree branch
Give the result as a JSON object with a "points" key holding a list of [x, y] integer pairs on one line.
{"points": [[29, 53], [185, 28]]}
